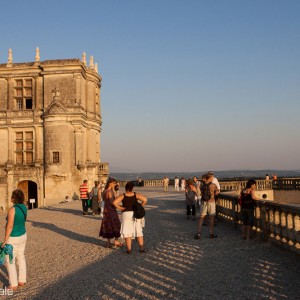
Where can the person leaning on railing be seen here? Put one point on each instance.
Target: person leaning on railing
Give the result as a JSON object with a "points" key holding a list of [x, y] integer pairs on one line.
{"points": [[247, 202]]}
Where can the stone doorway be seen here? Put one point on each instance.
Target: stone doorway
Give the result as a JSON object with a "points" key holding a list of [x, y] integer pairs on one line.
{"points": [[29, 188]]}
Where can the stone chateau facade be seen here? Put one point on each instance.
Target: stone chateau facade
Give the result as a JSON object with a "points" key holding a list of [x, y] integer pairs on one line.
{"points": [[50, 126]]}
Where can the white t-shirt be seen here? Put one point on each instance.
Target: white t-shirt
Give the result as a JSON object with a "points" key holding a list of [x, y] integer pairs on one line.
{"points": [[216, 182]]}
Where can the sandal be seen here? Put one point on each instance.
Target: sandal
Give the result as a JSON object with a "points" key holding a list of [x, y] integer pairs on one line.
{"points": [[21, 284], [118, 244], [128, 251], [197, 236], [212, 236]]}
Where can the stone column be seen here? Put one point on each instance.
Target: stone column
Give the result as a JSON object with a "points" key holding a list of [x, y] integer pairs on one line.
{"points": [[79, 147]]}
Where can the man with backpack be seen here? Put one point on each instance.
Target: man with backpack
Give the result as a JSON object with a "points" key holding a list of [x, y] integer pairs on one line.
{"points": [[208, 205]]}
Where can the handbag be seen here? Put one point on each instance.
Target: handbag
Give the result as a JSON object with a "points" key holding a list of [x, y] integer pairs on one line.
{"points": [[138, 210]]}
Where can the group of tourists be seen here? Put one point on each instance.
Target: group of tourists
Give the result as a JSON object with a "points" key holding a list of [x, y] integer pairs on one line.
{"points": [[207, 192], [202, 194], [111, 227], [91, 199], [179, 184]]}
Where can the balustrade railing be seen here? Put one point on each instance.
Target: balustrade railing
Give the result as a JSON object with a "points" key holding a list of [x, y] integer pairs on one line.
{"points": [[237, 186], [287, 184], [232, 186], [104, 168], [274, 222], [155, 182]]}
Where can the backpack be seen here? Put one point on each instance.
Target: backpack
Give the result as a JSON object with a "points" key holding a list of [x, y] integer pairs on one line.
{"points": [[205, 190]]}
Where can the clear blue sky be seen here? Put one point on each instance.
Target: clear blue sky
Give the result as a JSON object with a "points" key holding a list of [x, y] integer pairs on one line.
{"points": [[187, 85]]}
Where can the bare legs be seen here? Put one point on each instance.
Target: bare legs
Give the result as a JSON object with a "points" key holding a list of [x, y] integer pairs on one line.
{"points": [[211, 226], [128, 242], [246, 231]]}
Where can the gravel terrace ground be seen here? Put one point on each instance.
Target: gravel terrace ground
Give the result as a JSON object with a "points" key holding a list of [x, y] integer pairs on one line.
{"points": [[67, 260]]}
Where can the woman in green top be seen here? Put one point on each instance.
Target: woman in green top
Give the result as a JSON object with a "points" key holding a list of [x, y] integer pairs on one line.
{"points": [[15, 234]]}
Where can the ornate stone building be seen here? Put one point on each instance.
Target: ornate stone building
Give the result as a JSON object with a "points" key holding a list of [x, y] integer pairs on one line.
{"points": [[50, 125]]}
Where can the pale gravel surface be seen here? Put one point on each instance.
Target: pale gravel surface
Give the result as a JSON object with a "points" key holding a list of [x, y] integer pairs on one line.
{"points": [[67, 260]]}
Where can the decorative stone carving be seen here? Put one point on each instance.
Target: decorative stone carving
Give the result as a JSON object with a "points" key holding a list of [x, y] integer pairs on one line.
{"points": [[91, 61], [55, 94], [83, 59], [55, 107], [37, 54], [20, 114], [10, 58]]}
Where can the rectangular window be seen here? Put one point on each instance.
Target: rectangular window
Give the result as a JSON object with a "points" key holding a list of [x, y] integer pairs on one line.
{"points": [[19, 93], [19, 146], [19, 104], [55, 157], [29, 135], [23, 94], [29, 146], [27, 92], [28, 103], [19, 135], [29, 158], [19, 82], [19, 158], [28, 82], [24, 147]]}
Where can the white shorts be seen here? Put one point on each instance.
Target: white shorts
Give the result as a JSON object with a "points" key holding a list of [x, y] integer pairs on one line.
{"points": [[208, 208]]}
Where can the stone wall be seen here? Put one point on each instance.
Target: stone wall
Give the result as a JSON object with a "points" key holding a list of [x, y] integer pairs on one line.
{"points": [[287, 197]]}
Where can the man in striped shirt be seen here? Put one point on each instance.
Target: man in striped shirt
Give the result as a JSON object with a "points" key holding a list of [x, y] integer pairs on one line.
{"points": [[84, 196]]}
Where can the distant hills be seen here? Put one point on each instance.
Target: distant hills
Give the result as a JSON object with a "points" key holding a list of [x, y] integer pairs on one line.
{"points": [[230, 174]]}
